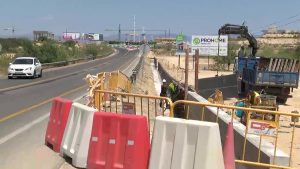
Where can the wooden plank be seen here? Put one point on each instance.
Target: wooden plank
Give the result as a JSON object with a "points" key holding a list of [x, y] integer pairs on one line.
{"points": [[297, 66], [270, 64], [285, 65], [294, 64], [278, 65], [274, 65], [289, 65], [282, 65]]}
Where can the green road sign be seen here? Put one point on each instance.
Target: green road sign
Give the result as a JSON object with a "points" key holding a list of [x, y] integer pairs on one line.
{"points": [[180, 38], [196, 41]]}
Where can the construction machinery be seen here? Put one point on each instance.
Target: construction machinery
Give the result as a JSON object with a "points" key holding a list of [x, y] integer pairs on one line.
{"points": [[277, 76]]}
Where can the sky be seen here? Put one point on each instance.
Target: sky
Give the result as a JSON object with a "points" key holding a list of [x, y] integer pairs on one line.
{"points": [[192, 17]]}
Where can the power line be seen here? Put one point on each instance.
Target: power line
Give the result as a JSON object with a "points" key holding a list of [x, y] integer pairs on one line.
{"points": [[258, 30]]}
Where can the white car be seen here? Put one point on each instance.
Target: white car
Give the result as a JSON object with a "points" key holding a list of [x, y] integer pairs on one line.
{"points": [[25, 67]]}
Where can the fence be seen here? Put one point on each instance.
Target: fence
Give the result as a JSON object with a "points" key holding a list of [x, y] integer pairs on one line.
{"points": [[266, 131], [127, 103], [112, 81], [263, 152]]}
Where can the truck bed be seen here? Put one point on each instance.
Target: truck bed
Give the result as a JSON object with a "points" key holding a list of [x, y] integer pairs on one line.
{"points": [[271, 72]]}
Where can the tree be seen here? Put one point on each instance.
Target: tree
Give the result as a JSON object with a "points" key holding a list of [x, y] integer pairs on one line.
{"points": [[69, 43], [91, 49]]}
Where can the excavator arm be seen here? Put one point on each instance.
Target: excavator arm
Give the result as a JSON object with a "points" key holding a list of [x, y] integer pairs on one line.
{"points": [[243, 32]]}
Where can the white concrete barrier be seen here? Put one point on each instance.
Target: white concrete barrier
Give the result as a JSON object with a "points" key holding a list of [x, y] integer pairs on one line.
{"points": [[77, 134], [185, 144], [252, 146]]}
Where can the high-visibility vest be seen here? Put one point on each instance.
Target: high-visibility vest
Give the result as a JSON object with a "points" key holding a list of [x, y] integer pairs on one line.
{"points": [[172, 87], [253, 98]]}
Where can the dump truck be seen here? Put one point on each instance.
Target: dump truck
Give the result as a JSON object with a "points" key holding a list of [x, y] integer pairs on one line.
{"points": [[277, 76]]}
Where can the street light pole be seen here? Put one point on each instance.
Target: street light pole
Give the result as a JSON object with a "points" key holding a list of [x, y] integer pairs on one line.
{"points": [[218, 60]]}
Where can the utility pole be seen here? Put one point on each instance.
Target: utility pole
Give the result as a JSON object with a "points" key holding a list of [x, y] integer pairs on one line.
{"points": [[119, 32], [196, 69], [134, 28], [186, 77], [218, 60]]}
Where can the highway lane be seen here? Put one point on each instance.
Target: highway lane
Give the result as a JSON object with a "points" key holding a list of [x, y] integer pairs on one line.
{"points": [[19, 99], [61, 71], [24, 113]]}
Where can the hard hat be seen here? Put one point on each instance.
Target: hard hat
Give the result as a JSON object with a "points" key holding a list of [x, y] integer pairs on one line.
{"points": [[164, 80]]}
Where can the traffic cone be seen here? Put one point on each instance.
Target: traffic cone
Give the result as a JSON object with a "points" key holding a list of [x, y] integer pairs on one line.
{"points": [[228, 151]]}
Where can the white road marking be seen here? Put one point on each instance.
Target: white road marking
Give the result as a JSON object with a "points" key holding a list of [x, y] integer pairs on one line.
{"points": [[27, 127], [22, 129], [135, 61]]}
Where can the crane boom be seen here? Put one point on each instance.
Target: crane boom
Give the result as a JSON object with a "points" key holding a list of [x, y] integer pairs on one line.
{"points": [[243, 32]]}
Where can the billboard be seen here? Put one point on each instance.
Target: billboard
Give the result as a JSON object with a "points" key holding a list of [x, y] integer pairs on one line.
{"points": [[93, 37], [71, 36], [209, 45]]}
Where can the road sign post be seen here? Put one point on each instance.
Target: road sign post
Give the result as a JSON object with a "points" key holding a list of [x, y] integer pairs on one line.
{"points": [[186, 77], [196, 69]]}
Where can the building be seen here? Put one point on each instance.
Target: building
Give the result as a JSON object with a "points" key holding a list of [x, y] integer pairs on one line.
{"points": [[38, 34], [165, 40]]}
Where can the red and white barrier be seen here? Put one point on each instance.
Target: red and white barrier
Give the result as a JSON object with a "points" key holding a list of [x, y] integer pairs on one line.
{"points": [[188, 144], [57, 122], [77, 134], [119, 142]]}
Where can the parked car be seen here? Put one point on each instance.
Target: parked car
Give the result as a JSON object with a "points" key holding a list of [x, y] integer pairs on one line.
{"points": [[25, 67]]}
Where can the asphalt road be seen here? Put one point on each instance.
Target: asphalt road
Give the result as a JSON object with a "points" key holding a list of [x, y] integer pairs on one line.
{"points": [[59, 72], [24, 111]]}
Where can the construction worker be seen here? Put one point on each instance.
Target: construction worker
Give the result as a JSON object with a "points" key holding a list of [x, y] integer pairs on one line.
{"points": [[172, 91], [179, 109], [253, 98], [240, 113], [241, 52], [163, 91]]}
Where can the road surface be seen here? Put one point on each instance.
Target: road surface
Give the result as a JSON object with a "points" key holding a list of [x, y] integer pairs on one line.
{"points": [[24, 110]]}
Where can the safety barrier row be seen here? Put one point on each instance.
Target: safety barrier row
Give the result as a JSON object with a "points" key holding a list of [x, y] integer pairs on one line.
{"points": [[185, 144], [69, 129], [256, 136], [98, 140], [264, 132]]}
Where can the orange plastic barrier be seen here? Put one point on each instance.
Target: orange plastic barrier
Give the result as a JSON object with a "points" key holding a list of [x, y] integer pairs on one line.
{"points": [[57, 122], [119, 142]]}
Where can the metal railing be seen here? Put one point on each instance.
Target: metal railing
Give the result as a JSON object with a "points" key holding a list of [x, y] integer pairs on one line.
{"points": [[206, 116], [128, 103], [150, 107], [73, 61]]}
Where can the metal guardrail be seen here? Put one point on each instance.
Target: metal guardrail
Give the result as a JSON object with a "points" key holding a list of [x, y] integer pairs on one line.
{"points": [[74, 61], [136, 70]]}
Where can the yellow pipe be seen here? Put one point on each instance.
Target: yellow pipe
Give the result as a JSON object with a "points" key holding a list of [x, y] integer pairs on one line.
{"points": [[262, 165], [234, 107]]}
